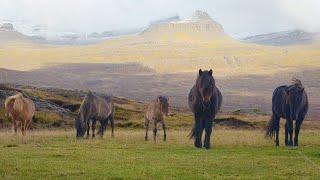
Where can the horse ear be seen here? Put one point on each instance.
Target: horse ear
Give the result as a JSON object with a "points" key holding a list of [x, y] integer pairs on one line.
{"points": [[301, 89], [210, 72], [89, 93], [200, 72]]}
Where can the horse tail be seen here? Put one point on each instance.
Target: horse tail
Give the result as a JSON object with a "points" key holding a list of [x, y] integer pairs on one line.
{"points": [[271, 127], [192, 133]]}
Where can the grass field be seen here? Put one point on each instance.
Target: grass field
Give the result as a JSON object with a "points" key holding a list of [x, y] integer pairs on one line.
{"points": [[235, 154]]}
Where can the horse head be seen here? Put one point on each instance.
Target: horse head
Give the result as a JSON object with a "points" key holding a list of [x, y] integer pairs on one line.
{"points": [[80, 126], [205, 85], [164, 104], [293, 96]]}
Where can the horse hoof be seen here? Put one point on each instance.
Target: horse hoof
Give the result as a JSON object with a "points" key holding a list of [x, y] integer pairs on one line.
{"points": [[198, 145]]}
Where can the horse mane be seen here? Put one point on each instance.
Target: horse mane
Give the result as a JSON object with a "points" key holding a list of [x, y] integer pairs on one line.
{"points": [[17, 96], [296, 82]]}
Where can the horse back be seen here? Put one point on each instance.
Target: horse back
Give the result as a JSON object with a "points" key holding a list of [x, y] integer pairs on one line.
{"points": [[102, 107], [153, 111], [278, 101], [23, 108], [217, 100]]}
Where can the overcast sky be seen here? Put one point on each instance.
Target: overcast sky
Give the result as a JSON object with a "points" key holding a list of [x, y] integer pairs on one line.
{"points": [[238, 17]]}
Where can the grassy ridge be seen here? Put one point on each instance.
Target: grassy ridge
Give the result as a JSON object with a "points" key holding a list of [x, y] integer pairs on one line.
{"points": [[166, 56], [235, 154]]}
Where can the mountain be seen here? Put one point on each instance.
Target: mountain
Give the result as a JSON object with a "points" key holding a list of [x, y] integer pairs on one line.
{"points": [[199, 27], [8, 34], [173, 47], [283, 38], [115, 33]]}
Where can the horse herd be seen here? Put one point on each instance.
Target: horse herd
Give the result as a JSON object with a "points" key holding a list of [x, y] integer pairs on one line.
{"points": [[204, 99]]}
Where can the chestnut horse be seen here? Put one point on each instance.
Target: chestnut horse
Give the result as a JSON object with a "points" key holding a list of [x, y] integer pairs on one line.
{"points": [[20, 110]]}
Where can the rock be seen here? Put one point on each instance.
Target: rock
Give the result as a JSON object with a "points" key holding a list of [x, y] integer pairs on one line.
{"points": [[5, 26]]}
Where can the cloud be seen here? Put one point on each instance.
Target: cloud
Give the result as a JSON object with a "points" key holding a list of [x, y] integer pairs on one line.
{"points": [[302, 14], [242, 17]]}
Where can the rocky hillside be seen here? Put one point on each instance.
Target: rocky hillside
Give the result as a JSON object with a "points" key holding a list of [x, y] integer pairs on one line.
{"points": [[56, 108]]}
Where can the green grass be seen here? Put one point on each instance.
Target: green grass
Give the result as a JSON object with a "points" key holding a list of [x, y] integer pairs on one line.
{"points": [[235, 154]]}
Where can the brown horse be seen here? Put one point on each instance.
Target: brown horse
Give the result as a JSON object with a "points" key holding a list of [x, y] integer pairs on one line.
{"points": [[291, 103], [154, 113], [95, 108], [204, 100], [20, 110]]}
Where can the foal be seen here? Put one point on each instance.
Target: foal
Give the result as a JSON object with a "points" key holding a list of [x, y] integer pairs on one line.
{"points": [[154, 113]]}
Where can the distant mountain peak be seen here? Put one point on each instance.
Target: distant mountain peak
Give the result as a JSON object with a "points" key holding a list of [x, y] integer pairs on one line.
{"points": [[283, 38], [200, 26], [200, 15]]}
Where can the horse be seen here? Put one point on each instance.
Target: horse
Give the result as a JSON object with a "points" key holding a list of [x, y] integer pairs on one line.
{"points": [[204, 101], [21, 110], [154, 112], [95, 108], [289, 102]]}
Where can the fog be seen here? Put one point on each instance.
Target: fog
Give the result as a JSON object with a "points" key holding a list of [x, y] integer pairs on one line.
{"points": [[239, 18]]}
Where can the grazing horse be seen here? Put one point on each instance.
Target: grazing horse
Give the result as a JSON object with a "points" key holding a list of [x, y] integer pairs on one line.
{"points": [[291, 103], [204, 101], [20, 110], [94, 108], [154, 113]]}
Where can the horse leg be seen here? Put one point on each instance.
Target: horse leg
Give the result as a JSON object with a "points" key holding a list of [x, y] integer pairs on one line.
{"points": [[23, 128], [276, 126], [93, 126], [208, 129], [297, 130], [15, 126], [29, 122], [146, 125], [103, 126], [112, 125], [198, 132], [164, 131], [290, 130], [155, 131], [286, 135], [88, 129]]}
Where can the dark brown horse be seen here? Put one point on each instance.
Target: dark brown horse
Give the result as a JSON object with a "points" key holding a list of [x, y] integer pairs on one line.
{"points": [[95, 108], [291, 103], [204, 101], [154, 113]]}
